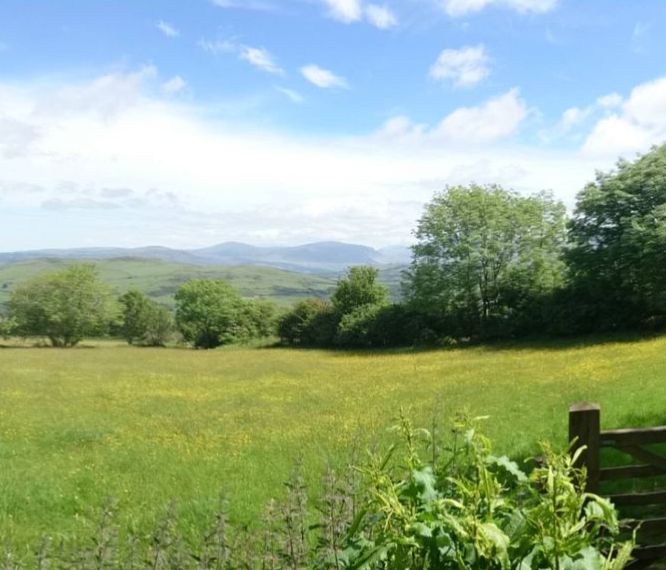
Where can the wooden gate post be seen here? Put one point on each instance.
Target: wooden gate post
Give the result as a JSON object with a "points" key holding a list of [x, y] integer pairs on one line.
{"points": [[585, 428]]}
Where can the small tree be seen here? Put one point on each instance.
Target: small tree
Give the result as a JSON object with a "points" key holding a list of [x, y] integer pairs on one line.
{"points": [[160, 327], [209, 313], [135, 308], [358, 288], [64, 306], [144, 320]]}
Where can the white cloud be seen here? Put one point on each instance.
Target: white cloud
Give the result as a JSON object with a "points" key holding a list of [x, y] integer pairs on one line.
{"points": [[497, 118], [244, 4], [574, 119], [465, 66], [257, 57], [610, 101], [494, 119], [381, 17], [261, 59], [81, 142], [349, 11], [293, 96], [167, 29], [323, 77], [174, 85], [345, 10], [457, 8], [639, 122]]}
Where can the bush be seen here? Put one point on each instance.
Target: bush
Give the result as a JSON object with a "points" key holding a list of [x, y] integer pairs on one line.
{"points": [[144, 321], [64, 306], [311, 322], [461, 508], [7, 327], [259, 317]]}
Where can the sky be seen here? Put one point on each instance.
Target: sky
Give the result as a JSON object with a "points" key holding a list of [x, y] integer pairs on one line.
{"points": [[188, 123]]}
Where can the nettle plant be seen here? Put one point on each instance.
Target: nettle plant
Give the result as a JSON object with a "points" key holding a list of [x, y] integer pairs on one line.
{"points": [[466, 508], [420, 505]]}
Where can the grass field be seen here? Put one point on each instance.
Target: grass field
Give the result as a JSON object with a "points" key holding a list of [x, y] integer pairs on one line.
{"points": [[150, 425]]}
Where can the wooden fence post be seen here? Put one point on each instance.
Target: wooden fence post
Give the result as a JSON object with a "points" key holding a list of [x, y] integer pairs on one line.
{"points": [[585, 428]]}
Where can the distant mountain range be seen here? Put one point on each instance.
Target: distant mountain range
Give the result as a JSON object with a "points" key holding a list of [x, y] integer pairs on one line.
{"points": [[320, 257]]}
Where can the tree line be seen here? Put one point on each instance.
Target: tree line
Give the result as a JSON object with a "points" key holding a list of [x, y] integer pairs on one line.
{"points": [[69, 305], [488, 263]]}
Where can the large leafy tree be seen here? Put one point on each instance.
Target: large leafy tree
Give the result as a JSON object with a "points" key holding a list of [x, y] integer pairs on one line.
{"points": [[210, 313], [64, 306], [618, 254], [482, 252]]}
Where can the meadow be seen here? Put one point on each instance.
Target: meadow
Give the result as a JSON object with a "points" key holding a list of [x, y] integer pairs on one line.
{"points": [[148, 426]]}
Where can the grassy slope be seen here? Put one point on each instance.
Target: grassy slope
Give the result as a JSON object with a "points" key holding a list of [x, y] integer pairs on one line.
{"points": [[148, 425], [160, 279]]}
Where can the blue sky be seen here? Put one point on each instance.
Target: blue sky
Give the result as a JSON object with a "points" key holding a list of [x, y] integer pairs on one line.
{"points": [[286, 121]]}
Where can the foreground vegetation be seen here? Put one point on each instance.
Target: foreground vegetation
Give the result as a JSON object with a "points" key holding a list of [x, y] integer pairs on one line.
{"points": [[427, 502], [150, 425]]}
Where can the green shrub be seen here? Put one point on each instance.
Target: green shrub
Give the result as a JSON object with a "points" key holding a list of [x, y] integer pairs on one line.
{"points": [[144, 321], [311, 322]]}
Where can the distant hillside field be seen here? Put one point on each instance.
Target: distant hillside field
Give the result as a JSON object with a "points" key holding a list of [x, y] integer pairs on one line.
{"points": [[160, 279]]}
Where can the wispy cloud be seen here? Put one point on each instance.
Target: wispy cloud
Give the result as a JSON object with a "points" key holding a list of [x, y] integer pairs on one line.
{"points": [[323, 78], [260, 58], [345, 10], [465, 66], [245, 5], [457, 8], [257, 57], [169, 30], [381, 17], [293, 96], [349, 11], [640, 37], [174, 85]]}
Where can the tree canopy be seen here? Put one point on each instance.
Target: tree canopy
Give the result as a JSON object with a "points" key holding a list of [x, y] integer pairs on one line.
{"points": [[64, 306], [358, 288], [480, 249], [618, 234], [210, 313]]}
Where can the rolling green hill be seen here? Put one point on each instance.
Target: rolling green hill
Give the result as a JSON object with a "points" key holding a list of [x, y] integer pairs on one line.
{"points": [[160, 279]]}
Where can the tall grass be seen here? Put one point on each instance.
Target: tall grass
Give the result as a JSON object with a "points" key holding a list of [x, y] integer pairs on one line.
{"points": [[148, 426]]}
